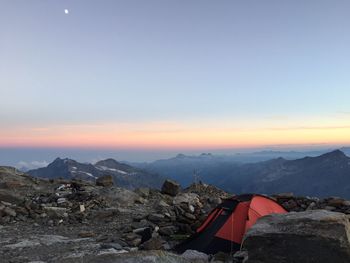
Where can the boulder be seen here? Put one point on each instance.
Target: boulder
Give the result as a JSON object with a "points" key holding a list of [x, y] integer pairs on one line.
{"points": [[312, 236], [170, 188], [105, 181]]}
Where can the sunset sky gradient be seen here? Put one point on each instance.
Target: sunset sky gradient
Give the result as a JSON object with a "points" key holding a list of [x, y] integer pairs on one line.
{"points": [[174, 74]]}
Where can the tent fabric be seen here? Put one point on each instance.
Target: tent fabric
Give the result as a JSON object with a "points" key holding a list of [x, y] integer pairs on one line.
{"points": [[225, 226]]}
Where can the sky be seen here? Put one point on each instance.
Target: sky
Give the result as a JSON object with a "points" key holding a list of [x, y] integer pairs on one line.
{"points": [[166, 76]]}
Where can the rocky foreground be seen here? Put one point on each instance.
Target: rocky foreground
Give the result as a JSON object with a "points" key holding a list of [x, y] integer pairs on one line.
{"points": [[76, 221]]}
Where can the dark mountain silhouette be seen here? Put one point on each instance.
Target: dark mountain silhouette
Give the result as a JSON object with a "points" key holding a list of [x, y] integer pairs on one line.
{"points": [[324, 175], [124, 175]]}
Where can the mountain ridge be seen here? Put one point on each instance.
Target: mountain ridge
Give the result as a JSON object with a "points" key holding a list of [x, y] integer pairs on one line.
{"points": [[123, 174], [309, 175]]}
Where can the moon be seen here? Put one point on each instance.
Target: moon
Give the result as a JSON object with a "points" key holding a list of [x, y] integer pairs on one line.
{"points": [[66, 11]]}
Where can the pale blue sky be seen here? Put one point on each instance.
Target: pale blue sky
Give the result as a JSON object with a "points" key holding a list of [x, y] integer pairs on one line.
{"points": [[155, 60], [176, 61]]}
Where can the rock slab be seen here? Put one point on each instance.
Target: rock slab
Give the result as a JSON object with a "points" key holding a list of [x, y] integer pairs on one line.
{"points": [[317, 236]]}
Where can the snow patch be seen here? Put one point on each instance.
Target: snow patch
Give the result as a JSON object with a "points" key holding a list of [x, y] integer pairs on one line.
{"points": [[104, 168]]}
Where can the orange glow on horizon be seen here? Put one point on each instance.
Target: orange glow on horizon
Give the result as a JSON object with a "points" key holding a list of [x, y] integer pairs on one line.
{"points": [[172, 136]]}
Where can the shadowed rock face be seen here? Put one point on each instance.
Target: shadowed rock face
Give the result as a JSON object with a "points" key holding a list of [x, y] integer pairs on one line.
{"points": [[310, 236]]}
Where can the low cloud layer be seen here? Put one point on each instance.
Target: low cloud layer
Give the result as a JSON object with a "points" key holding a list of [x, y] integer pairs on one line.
{"points": [[25, 166]]}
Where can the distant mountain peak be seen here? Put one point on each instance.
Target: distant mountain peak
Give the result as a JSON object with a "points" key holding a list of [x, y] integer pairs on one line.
{"points": [[123, 174], [334, 154], [62, 161], [107, 162]]}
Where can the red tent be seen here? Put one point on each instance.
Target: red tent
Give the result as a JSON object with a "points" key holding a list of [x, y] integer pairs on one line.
{"points": [[225, 226]]}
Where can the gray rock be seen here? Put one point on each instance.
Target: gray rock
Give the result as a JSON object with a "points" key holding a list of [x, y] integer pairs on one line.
{"points": [[154, 243], [163, 203], [315, 236], [143, 192], [155, 217], [135, 242], [105, 181], [167, 230], [190, 216], [194, 255], [61, 200], [114, 245], [170, 188], [133, 239]]}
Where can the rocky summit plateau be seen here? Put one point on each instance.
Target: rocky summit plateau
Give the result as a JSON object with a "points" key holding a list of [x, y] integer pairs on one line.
{"points": [[72, 220]]}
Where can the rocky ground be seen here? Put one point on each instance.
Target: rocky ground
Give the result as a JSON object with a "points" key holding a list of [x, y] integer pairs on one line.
{"points": [[76, 221]]}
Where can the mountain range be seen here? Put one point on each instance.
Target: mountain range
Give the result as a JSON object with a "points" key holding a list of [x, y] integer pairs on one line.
{"points": [[123, 174], [324, 175]]}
